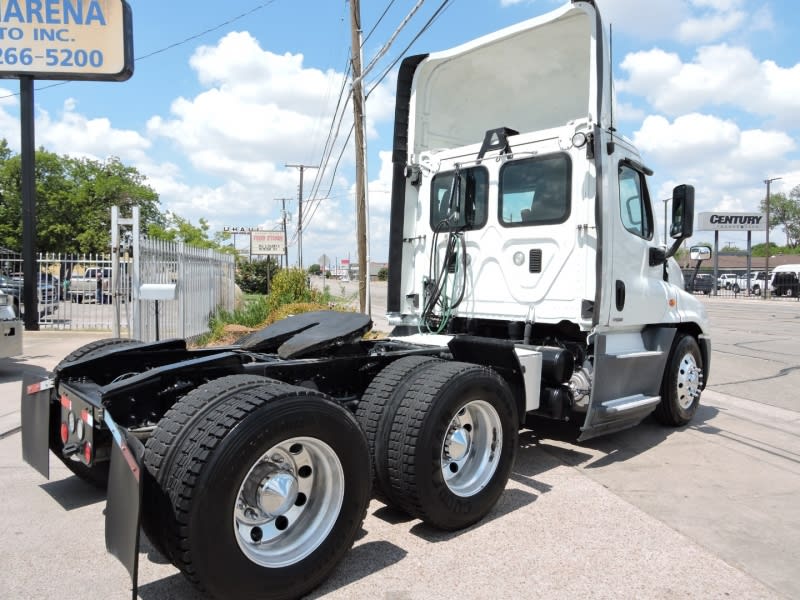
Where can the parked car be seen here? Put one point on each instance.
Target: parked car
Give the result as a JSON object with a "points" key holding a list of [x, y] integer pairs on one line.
{"points": [[47, 292], [703, 283], [84, 287], [726, 281], [756, 282], [785, 281]]}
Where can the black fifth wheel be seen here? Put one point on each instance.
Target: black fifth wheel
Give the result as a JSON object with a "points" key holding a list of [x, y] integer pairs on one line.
{"points": [[452, 444], [266, 492]]}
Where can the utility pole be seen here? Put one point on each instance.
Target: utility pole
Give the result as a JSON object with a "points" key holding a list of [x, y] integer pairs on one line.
{"points": [[358, 122], [766, 262], [300, 211], [285, 239]]}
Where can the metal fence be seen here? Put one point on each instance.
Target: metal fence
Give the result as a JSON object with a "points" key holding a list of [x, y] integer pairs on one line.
{"points": [[204, 284], [78, 292]]}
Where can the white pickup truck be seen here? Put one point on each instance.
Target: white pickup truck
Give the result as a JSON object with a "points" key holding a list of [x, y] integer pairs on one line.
{"points": [[753, 285]]}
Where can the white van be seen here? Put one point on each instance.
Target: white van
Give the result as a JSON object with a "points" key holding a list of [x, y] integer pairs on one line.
{"points": [[785, 280]]}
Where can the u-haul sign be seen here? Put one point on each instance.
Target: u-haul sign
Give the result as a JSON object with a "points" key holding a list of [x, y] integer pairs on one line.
{"points": [[266, 243]]}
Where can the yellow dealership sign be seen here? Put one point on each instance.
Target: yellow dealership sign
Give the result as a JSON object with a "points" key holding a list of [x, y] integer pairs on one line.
{"points": [[66, 39]]}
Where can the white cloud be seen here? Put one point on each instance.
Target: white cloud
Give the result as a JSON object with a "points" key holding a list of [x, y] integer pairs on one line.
{"points": [[719, 75], [710, 27], [725, 164], [75, 134], [688, 21]]}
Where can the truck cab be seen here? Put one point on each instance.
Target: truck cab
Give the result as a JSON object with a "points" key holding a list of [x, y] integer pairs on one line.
{"points": [[519, 212]]}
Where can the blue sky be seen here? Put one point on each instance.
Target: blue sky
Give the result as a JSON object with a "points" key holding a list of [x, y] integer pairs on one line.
{"points": [[708, 89]]}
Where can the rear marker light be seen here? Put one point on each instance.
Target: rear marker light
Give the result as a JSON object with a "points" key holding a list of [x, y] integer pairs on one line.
{"points": [[66, 403], [64, 433]]}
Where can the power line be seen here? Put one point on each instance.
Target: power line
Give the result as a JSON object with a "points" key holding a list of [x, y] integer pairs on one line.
{"points": [[442, 7], [207, 31], [378, 22], [385, 48]]}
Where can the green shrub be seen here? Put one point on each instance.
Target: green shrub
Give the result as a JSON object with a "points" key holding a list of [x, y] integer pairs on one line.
{"points": [[288, 286], [254, 277]]}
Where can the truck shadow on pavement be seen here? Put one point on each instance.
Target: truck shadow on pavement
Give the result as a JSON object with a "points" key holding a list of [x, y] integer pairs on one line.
{"points": [[12, 369], [559, 440], [72, 493]]}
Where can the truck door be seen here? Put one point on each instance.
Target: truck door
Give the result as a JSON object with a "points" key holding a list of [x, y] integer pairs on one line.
{"points": [[638, 293]]}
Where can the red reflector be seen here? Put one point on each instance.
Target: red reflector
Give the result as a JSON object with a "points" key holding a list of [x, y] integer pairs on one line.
{"points": [[34, 388], [87, 452], [66, 403], [64, 433]]}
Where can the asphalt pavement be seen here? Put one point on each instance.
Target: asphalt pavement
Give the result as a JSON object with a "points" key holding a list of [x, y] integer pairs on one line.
{"points": [[705, 511]]}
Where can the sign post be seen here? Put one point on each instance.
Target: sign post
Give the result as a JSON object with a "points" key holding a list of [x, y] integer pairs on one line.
{"points": [[88, 40], [739, 221]]}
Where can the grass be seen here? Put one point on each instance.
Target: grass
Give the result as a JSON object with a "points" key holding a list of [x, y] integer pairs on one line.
{"points": [[256, 313]]}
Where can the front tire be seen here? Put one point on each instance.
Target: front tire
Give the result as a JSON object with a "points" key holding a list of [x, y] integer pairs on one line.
{"points": [[453, 443], [682, 383], [268, 491]]}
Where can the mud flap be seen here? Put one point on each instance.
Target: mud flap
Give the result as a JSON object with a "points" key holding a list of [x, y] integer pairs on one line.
{"points": [[35, 417], [123, 506]]}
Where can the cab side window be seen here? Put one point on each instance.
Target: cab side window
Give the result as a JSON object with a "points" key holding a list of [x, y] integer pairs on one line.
{"points": [[634, 203]]}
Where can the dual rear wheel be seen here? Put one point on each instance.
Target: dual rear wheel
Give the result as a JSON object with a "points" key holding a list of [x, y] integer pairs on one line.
{"points": [[444, 440], [256, 488]]}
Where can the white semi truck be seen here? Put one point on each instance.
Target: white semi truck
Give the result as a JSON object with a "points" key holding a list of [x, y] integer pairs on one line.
{"points": [[526, 282]]}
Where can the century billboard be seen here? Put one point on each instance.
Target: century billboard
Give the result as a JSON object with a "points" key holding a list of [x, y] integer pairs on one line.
{"points": [[66, 39], [725, 221]]}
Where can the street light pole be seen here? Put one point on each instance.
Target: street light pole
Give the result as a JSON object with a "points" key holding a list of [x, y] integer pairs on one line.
{"points": [[766, 262]]}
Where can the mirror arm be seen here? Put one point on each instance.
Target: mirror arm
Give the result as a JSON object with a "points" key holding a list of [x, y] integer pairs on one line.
{"points": [[674, 248]]}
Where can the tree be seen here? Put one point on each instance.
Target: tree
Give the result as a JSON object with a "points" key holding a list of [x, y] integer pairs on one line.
{"points": [[255, 277], [177, 229], [785, 210], [74, 197], [383, 274], [314, 269]]}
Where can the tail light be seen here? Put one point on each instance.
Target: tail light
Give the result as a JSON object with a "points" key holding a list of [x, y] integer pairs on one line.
{"points": [[64, 433], [87, 453]]}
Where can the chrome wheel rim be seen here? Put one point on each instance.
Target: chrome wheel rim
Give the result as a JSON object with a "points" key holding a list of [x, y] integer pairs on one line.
{"points": [[288, 502], [690, 377], [471, 448]]}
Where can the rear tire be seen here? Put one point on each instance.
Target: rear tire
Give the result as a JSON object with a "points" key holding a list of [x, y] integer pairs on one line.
{"points": [[268, 490], [376, 411], [682, 383], [453, 443], [162, 449]]}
